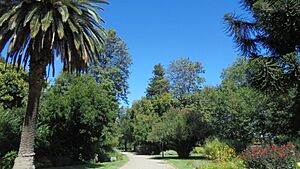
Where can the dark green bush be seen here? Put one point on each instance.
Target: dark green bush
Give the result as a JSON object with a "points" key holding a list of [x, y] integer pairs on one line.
{"points": [[148, 149], [73, 116], [238, 145], [10, 129], [7, 161]]}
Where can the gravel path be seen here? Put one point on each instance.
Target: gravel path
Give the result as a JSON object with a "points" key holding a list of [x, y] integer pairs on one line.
{"points": [[145, 162]]}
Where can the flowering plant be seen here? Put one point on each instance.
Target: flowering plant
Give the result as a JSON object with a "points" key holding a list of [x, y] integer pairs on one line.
{"points": [[218, 150], [271, 157]]}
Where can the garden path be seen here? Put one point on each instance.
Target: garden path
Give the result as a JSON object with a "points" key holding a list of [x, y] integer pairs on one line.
{"points": [[145, 162]]}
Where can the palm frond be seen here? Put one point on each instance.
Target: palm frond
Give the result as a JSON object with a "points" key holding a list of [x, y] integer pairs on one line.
{"points": [[68, 29]]}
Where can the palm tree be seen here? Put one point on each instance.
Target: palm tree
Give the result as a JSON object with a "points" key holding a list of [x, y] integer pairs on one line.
{"points": [[7, 4], [37, 31]]}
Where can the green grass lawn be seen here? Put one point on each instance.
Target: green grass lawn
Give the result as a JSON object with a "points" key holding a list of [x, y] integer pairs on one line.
{"points": [[106, 165], [184, 163]]}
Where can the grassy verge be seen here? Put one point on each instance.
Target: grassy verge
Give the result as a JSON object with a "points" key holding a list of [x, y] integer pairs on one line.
{"points": [[185, 163], [106, 165]]}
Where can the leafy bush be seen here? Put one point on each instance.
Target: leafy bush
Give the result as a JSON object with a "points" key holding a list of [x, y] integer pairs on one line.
{"points": [[103, 156], [116, 154], [238, 145], [7, 161], [217, 150], [10, 122], [296, 142], [198, 150], [234, 164], [271, 157], [181, 129], [148, 149], [74, 113]]}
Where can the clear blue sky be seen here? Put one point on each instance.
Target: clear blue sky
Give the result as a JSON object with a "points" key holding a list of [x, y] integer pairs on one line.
{"points": [[160, 31]]}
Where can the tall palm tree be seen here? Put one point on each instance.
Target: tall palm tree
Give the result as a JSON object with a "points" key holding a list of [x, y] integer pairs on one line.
{"points": [[37, 31]]}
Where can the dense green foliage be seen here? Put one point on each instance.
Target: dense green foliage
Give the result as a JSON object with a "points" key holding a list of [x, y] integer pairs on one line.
{"points": [[13, 86], [114, 65], [10, 120], [243, 114], [126, 129], [234, 111], [184, 76], [76, 108], [13, 91], [78, 113], [159, 83], [272, 39], [180, 130], [160, 119]]}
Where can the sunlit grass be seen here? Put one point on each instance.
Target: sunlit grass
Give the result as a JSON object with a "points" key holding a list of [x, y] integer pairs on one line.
{"points": [[190, 163], [105, 165]]}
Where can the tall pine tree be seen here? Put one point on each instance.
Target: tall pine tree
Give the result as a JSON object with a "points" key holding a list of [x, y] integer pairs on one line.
{"points": [[158, 83]]}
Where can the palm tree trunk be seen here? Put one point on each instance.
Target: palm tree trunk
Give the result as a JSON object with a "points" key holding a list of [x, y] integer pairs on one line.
{"points": [[25, 159]]}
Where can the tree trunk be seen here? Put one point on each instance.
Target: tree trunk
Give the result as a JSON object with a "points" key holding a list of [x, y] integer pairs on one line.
{"points": [[25, 159], [183, 150], [183, 153], [162, 150], [125, 146]]}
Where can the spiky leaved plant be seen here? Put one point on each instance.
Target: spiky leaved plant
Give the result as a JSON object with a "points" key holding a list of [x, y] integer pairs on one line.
{"points": [[272, 39]]}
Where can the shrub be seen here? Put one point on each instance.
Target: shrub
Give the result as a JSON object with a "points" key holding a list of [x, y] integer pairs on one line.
{"points": [[238, 145], [7, 161], [10, 131], [198, 150], [217, 150], [171, 153], [234, 164], [148, 149], [296, 142], [116, 154], [271, 157]]}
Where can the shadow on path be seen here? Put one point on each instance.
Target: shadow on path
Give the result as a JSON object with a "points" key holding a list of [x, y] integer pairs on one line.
{"points": [[83, 166], [176, 157]]}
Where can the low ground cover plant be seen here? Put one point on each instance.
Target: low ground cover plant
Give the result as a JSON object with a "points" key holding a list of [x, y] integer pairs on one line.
{"points": [[233, 164]]}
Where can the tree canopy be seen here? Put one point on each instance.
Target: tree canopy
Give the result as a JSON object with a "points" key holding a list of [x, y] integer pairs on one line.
{"points": [[184, 76], [158, 83]]}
